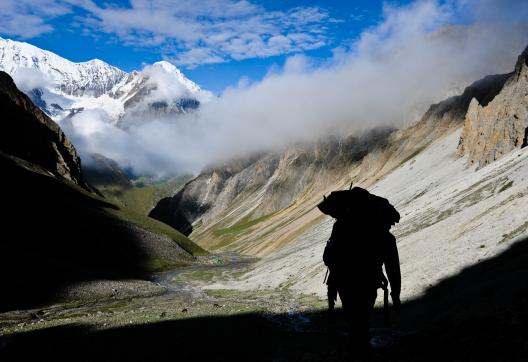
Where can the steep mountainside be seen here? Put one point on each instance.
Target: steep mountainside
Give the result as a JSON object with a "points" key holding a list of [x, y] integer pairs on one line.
{"points": [[455, 212], [34, 136], [56, 233], [61, 87], [260, 204], [452, 216], [272, 181]]}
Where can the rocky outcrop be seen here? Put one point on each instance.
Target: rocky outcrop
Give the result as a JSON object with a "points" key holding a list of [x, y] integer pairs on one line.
{"points": [[491, 130], [29, 134]]}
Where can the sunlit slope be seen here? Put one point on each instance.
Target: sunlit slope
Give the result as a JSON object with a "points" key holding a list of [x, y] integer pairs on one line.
{"points": [[452, 216], [258, 204]]}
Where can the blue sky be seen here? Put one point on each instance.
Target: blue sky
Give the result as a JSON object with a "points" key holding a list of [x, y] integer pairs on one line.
{"points": [[215, 42]]}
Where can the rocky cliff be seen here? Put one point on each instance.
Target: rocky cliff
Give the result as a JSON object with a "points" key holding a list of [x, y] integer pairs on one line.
{"points": [[34, 137], [494, 128]]}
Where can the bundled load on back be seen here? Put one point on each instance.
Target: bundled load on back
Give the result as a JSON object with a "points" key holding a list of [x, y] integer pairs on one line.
{"points": [[360, 205]]}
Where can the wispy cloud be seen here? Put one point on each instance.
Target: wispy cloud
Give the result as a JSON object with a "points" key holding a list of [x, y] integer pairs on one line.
{"points": [[209, 31], [29, 18], [187, 32]]}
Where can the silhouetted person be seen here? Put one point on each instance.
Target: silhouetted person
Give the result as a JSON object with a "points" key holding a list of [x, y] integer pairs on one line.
{"points": [[357, 250]]}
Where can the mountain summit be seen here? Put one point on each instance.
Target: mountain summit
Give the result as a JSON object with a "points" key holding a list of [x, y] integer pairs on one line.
{"points": [[61, 87]]}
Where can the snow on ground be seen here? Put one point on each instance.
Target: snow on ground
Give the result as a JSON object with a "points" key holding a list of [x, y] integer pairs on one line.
{"points": [[452, 217]]}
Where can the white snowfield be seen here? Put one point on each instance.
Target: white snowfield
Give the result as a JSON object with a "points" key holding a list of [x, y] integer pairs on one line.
{"points": [[451, 217], [86, 85]]}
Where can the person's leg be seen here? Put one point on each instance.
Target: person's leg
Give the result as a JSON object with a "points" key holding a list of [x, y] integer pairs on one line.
{"points": [[357, 306], [332, 297]]}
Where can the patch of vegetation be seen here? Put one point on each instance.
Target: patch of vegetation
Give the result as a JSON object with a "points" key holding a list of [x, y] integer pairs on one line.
{"points": [[476, 196], [201, 275], [140, 199], [144, 221], [161, 264], [145, 193], [241, 226]]}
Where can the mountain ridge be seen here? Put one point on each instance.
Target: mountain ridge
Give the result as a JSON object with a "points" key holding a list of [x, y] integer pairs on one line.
{"points": [[223, 199]]}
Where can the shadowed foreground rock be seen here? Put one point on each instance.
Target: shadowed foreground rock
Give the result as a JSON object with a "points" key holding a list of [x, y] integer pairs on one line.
{"points": [[477, 315]]}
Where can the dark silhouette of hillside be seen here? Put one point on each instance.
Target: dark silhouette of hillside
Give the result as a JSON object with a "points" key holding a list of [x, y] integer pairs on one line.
{"points": [[478, 314], [29, 134], [165, 212], [54, 231], [53, 234]]}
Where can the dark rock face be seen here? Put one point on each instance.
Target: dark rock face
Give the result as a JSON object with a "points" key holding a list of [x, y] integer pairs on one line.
{"points": [[497, 127], [36, 96], [29, 134]]}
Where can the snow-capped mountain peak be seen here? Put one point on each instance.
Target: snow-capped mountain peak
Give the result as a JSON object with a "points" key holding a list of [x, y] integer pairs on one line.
{"points": [[61, 87], [93, 77], [166, 66], [173, 71]]}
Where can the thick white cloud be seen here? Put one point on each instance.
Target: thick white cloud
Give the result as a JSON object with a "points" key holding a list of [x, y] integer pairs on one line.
{"points": [[28, 79], [417, 55]]}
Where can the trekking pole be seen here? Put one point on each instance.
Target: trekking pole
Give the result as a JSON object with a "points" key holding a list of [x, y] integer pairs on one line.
{"points": [[326, 276], [386, 311]]}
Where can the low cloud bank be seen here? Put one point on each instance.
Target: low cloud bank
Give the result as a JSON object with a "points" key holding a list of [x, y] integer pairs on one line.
{"points": [[418, 54], [28, 79]]}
